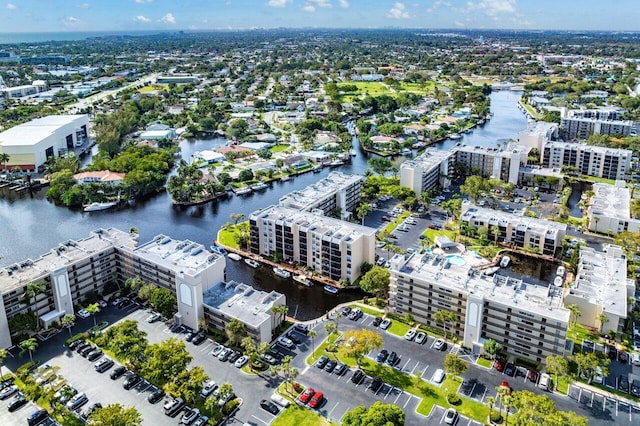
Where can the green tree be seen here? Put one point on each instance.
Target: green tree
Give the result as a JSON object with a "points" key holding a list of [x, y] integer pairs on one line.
{"points": [[603, 319], [211, 404], [575, 313], [93, 310], [236, 331], [164, 302], [588, 363], [557, 366], [474, 186], [358, 343], [3, 356], [492, 347], [30, 345], [187, 384], [312, 335], [164, 360], [250, 348], [375, 281], [31, 292], [454, 366], [362, 211], [380, 165], [533, 409], [4, 159], [281, 312], [236, 217], [453, 207], [68, 321], [115, 415], [224, 391], [146, 291], [443, 317], [378, 414], [330, 327], [245, 175], [126, 341]]}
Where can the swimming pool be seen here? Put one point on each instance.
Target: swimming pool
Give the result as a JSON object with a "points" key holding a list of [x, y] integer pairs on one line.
{"points": [[454, 259]]}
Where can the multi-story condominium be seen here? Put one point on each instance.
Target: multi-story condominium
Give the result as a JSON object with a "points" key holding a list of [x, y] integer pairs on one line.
{"points": [[609, 211], [16, 92], [521, 231], [503, 164], [337, 191], [232, 300], [602, 287], [75, 269], [537, 134], [528, 319], [580, 124], [598, 161], [332, 247], [428, 171]]}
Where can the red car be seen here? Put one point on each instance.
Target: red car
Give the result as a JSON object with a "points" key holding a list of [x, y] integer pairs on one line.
{"points": [[505, 384], [499, 365], [386, 219], [306, 395], [532, 375], [432, 226], [316, 400]]}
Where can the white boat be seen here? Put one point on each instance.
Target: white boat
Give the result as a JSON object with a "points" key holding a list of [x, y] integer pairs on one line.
{"points": [[243, 191], [216, 249], [558, 281], [251, 263], [259, 186], [455, 136], [406, 152], [281, 272], [301, 279], [352, 152], [504, 262], [285, 178], [331, 289], [560, 271], [94, 207], [317, 168], [491, 271], [234, 256], [336, 163]]}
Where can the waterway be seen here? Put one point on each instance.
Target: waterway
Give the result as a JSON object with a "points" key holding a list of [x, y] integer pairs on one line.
{"points": [[31, 225]]}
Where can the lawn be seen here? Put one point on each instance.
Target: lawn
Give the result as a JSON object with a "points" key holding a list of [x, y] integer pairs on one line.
{"points": [[320, 349], [227, 237], [279, 148], [563, 385], [578, 332], [418, 87], [295, 416], [368, 310], [398, 328], [482, 361], [153, 88]]}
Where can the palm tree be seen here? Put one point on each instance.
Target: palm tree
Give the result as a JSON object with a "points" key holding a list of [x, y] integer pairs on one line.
{"points": [[32, 290], [280, 311], [363, 210], [575, 312], [93, 309], [68, 321], [3, 356], [312, 335], [491, 401], [236, 217], [603, 318], [4, 159], [29, 345], [495, 231]]}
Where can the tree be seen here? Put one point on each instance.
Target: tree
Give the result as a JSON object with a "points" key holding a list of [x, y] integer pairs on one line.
{"points": [[495, 231], [68, 321], [4, 159], [281, 312], [187, 384], [32, 290], [211, 404], [362, 211], [115, 415], [29, 345], [454, 366], [3, 356], [236, 331], [379, 414], [331, 327], [491, 402], [224, 391], [236, 217], [245, 175], [164, 302], [588, 363], [164, 360], [443, 317], [474, 186], [603, 318], [557, 366], [126, 342], [312, 335], [575, 312], [380, 165], [532, 409], [375, 281], [492, 347], [93, 309], [358, 343]]}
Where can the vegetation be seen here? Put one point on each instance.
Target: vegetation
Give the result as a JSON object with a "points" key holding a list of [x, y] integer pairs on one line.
{"points": [[115, 415], [378, 414]]}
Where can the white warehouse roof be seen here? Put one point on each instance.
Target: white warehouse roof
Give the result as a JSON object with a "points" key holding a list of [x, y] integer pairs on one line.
{"points": [[35, 131]]}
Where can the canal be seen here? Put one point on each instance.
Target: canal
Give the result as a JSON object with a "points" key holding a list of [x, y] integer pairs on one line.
{"points": [[31, 225]]}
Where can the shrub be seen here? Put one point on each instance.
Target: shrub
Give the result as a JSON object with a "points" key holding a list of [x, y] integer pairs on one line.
{"points": [[25, 369], [453, 398], [495, 417], [297, 387], [230, 407]]}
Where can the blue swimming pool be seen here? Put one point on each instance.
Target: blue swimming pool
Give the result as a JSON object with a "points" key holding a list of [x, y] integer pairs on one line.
{"points": [[454, 259]]}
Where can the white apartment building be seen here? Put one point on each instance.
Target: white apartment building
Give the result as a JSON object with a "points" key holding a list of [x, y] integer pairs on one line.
{"points": [[332, 247], [428, 171], [503, 164], [528, 319], [602, 287], [338, 191], [537, 133], [580, 124], [37, 86], [590, 160], [609, 209], [521, 231]]}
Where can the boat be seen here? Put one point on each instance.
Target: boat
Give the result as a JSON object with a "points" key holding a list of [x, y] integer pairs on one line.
{"points": [[406, 152], [259, 186], [504, 262], [336, 163], [243, 191], [491, 271], [301, 279], [560, 271], [455, 136], [281, 272], [352, 152], [251, 263], [234, 256], [331, 289], [216, 249], [94, 207], [317, 168], [285, 178], [558, 281]]}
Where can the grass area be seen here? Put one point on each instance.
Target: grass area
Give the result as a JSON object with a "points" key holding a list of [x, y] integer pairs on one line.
{"points": [[578, 332], [279, 148], [227, 237], [320, 349], [153, 88], [398, 328], [296, 415], [563, 385], [531, 110], [425, 89], [395, 223], [368, 310], [598, 179], [482, 361]]}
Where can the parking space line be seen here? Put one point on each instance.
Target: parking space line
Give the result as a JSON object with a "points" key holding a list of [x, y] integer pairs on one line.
{"points": [[260, 420], [405, 364], [408, 400], [388, 392], [334, 407], [424, 372], [415, 367]]}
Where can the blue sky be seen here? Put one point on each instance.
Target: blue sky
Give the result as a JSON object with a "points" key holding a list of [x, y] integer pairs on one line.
{"points": [[101, 15]]}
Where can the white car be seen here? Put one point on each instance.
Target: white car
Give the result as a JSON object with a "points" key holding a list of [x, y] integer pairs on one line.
{"points": [[386, 323], [439, 345], [83, 314], [421, 338], [240, 362], [286, 342], [102, 304], [207, 388], [450, 416], [410, 334]]}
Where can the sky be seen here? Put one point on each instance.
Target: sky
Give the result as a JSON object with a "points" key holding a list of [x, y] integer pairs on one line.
{"points": [[18, 16]]}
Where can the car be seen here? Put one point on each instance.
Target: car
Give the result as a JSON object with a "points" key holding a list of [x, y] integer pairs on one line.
{"points": [[623, 357], [440, 345], [224, 354], [190, 335], [216, 351], [201, 421], [499, 365], [380, 244], [83, 313], [173, 406], [438, 376], [357, 376], [597, 376], [331, 364], [316, 400], [17, 402], [612, 352], [393, 236], [285, 342], [635, 387], [509, 369], [222, 400], [322, 361], [190, 416], [153, 318], [392, 359], [340, 369], [103, 365], [208, 388], [82, 347], [382, 355], [410, 334], [102, 304], [37, 417], [8, 391], [93, 407], [301, 328], [269, 407], [545, 381], [376, 384], [94, 355], [421, 337], [293, 336], [532, 375], [156, 395], [377, 321], [504, 384], [87, 350], [306, 395], [117, 372], [240, 362], [269, 359], [201, 337], [74, 345], [77, 401], [386, 219], [125, 303], [381, 261], [65, 393], [623, 383], [355, 314], [117, 300], [234, 356], [345, 311], [386, 323], [131, 381], [434, 226], [450, 416]]}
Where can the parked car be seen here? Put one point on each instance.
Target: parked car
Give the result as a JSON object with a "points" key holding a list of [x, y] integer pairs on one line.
{"points": [[386, 323], [280, 400], [131, 381], [224, 354], [377, 321], [83, 313], [155, 396], [355, 314], [190, 416], [545, 381], [293, 336], [322, 361], [357, 376], [440, 345], [331, 364], [103, 365], [623, 357], [74, 345], [216, 351], [77, 401], [207, 388], [271, 360], [623, 383], [8, 391], [269, 407], [532, 375], [37, 417], [285, 342], [153, 318], [340, 369], [376, 384], [509, 369], [65, 393], [382, 355], [17, 402], [234, 356], [438, 376], [306, 395], [410, 334], [316, 400], [240, 362], [201, 421], [392, 359], [87, 350], [190, 335], [117, 372], [201, 337], [93, 407], [499, 365], [94, 355], [450, 416], [635, 387], [421, 338], [345, 311], [173, 406], [386, 219], [301, 328]]}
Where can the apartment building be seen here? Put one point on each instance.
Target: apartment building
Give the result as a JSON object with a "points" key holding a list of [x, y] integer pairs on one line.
{"points": [[609, 209], [232, 300], [598, 161], [537, 133], [521, 231], [428, 171], [503, 164], [602, 287], [334, 248], [37, 86], [75, 268], [527, 318], [580, 124], [338, 191]]}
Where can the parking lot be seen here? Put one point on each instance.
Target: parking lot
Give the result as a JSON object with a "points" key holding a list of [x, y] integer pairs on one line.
{"points": [[604, 408]]}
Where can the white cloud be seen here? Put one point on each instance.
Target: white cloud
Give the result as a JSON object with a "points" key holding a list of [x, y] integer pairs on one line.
{"points": [[279, 3], [321, 3], [437, 5], [83, 6], [398, 12], [143, 1], [344, 4], [143, 19], [168, 19], [309, 8], [71, 22], [494, 7], [11, 6]]}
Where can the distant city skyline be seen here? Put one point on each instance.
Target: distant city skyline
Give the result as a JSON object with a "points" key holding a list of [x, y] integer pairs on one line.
{"points": [[23, 16]]}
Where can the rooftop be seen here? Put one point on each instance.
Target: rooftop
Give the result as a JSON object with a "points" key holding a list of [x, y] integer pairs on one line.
{"points": [[429, 159], [611, 200], [319, 191], [241, 301], [34, 131], [496, 217], [602, 150]]}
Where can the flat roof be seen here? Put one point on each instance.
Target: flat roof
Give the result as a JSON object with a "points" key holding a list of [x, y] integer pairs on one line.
{"points": [[34, 131], [241, 301], [429, 159], [611, 201], [496, 217], [319, 191]]}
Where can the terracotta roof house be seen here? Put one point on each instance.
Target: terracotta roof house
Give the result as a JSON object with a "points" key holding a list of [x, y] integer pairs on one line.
{"points": [[102, 176]]}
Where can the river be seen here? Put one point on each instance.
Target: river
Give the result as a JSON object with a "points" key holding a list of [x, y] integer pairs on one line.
{"points": [[30, 226]]}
